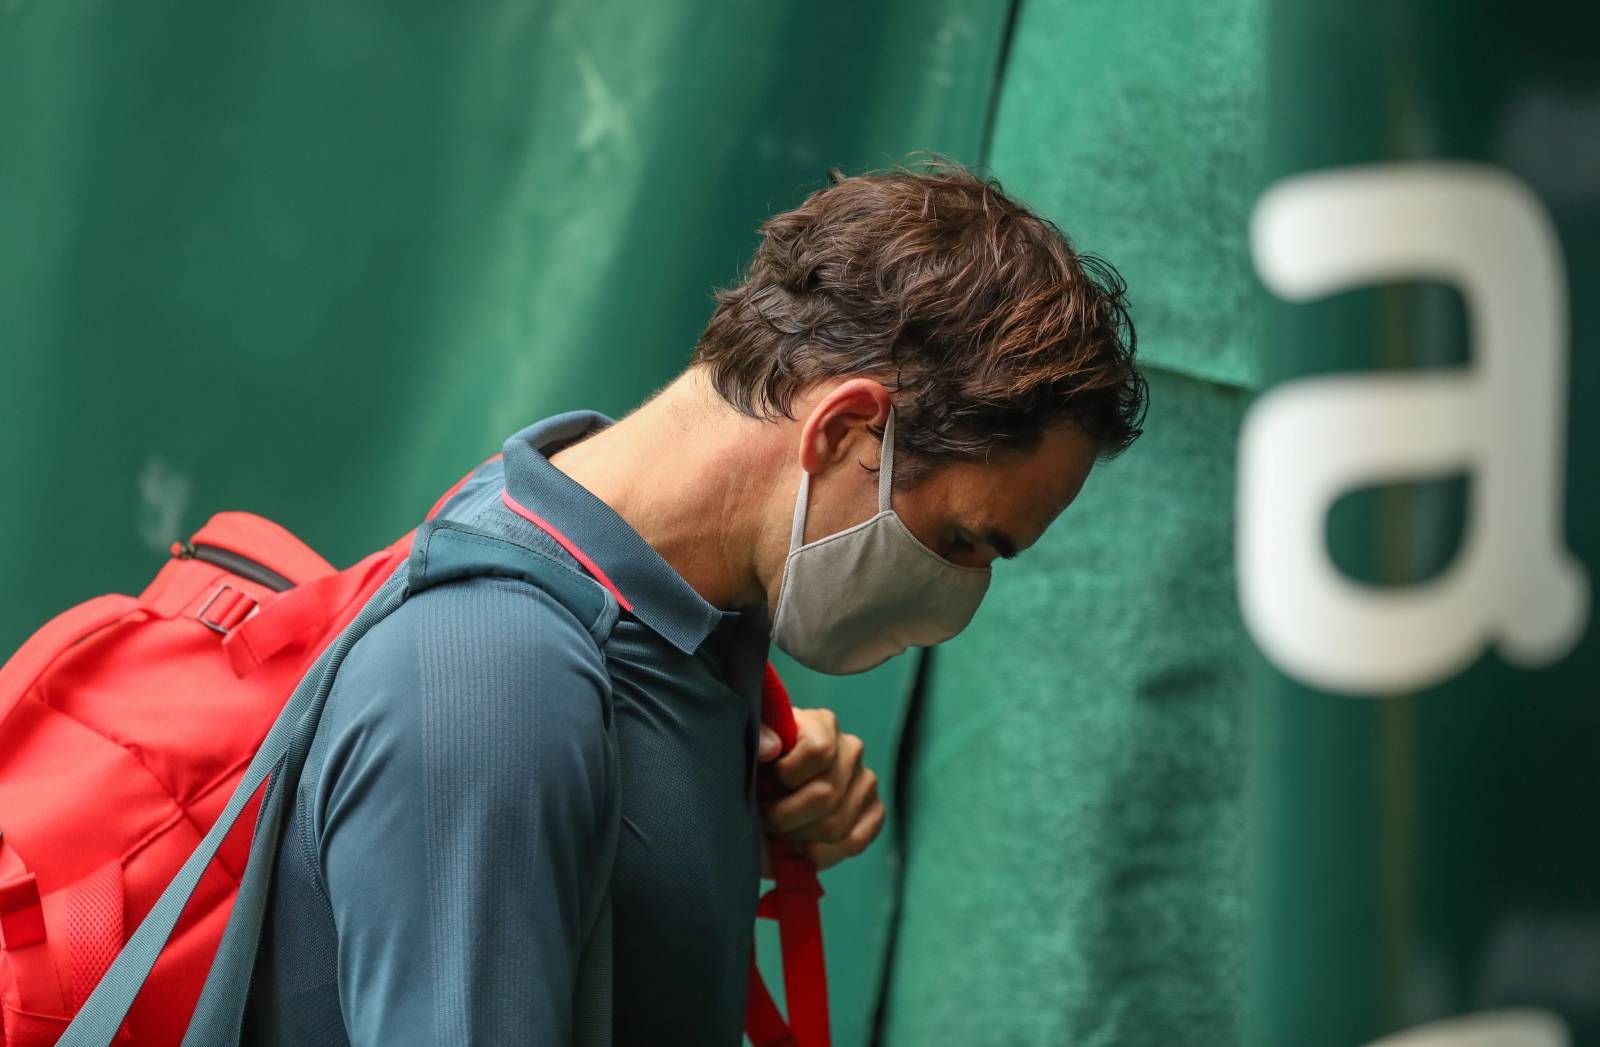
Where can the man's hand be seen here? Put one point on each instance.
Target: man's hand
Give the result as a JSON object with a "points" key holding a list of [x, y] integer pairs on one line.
{"points": [[831, 807]]}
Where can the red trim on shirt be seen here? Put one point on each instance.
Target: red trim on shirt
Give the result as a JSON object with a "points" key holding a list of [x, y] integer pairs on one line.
{"points": [[566, 543]]}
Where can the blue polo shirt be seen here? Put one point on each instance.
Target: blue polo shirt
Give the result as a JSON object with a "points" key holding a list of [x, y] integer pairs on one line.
{"points": [[444, 867]]}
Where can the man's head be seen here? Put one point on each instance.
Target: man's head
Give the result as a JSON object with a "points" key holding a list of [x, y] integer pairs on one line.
{"points": [[1006, 356], [986, 325]]}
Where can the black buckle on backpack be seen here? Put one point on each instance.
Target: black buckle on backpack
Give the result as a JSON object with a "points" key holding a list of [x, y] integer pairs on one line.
{"points": [[228, 607]]}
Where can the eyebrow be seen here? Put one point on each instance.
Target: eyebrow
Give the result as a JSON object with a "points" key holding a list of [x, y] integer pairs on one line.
{"points": [[1001, 544]]}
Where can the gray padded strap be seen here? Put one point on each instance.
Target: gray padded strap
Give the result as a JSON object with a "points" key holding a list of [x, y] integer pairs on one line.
{"points": [[220, 1013]]}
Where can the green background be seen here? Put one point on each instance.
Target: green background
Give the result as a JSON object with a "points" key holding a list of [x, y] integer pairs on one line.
{"points": [[313, 260], [1434, 849]]}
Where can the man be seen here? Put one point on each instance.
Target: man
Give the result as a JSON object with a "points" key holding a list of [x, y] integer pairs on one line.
{"points": [[912, 381]]}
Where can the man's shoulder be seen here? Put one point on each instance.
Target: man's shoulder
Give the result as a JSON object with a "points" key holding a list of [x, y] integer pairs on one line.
{"points": [[477, 626], [480, 654]]}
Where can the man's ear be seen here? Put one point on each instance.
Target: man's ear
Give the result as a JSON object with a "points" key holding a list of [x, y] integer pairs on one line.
{"points": [[838, 420]]}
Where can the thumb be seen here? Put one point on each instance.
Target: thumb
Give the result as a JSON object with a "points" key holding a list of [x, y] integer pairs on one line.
{"points": [[767, 749]]}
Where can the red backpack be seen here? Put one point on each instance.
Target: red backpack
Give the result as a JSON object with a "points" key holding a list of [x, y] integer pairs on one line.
{"points": [[129, 726]]}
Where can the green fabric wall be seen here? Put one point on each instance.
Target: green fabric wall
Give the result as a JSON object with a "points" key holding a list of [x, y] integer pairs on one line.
{"points": [[1076, 832], [1076, 835], [314, 260]]}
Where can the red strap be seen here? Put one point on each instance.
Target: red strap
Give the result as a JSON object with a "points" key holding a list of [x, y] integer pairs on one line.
{"points": [[225, 608], [763, 1022], [21, 913], [776, 712], [793, 903], [22, 937], [303, 613]]}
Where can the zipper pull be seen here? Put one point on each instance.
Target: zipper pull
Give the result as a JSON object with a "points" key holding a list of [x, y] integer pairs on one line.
{"points": [[183, 550]]}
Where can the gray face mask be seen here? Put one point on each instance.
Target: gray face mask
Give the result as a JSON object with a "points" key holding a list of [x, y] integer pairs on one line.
{"points": [[853, 600]]}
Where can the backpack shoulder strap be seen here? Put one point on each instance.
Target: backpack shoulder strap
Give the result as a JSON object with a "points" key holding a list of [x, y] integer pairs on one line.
{"points": [[445, 550]]}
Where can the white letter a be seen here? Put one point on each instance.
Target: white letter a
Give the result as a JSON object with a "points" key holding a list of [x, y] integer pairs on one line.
{"points": [[1502, 420]]}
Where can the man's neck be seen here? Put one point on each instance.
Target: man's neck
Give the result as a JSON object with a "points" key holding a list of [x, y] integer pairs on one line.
{"points": [[694, 478]]}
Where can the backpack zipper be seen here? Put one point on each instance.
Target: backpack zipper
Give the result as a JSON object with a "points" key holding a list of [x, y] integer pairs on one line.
{"points": [[242, 566]]}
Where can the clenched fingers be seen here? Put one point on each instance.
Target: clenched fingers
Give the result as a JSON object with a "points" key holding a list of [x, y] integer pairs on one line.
{"points": [[858, 839], [817, 748], [826, 798]]}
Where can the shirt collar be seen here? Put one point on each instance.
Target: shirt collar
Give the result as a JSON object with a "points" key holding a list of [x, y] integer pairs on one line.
{"points": [[622, 560]]}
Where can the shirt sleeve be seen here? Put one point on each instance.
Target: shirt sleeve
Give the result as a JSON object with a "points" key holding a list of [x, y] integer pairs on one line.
{"points": [[460, 817]]}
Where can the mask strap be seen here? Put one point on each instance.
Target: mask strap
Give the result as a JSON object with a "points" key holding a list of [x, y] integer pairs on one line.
{"points": [[886, 464], [797, 532]]}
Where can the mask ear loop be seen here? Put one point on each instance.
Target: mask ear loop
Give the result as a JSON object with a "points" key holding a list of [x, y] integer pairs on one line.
{"points": [[886, 464], [797, 530]]}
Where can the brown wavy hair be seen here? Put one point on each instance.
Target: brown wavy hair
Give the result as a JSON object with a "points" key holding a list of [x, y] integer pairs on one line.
{"points": [[983, 320]]}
